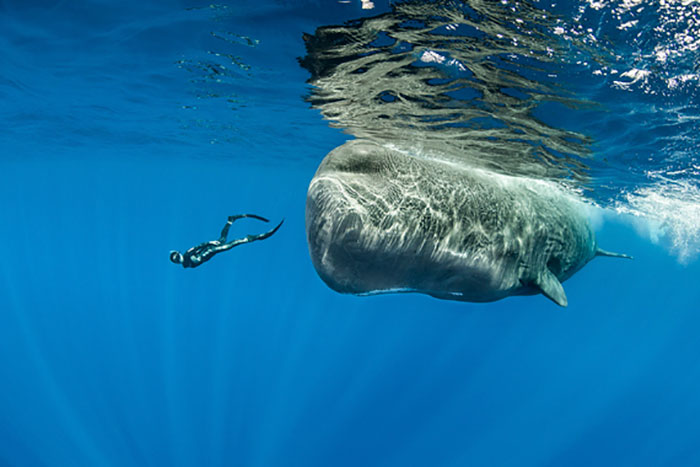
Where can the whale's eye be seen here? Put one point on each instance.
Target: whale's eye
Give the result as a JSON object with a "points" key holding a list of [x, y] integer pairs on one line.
{"points": [[554, 265]]}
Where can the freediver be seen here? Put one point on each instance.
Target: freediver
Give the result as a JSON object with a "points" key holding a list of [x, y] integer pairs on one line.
{"points": [[202, 253]]}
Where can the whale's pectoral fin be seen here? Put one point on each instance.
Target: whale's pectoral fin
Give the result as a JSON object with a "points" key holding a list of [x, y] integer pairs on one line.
{"points": [[551, 288]]}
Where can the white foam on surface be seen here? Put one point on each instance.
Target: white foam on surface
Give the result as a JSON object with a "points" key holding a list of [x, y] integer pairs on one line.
{"points": [[667, 213]]}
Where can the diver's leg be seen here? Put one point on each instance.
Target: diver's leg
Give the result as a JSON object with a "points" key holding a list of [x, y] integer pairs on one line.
{"points": [[249, 238], [232, 219], [224, 231]]}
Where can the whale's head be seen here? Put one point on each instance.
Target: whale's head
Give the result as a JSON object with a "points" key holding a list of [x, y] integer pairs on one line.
{"points": [[372, 225], [346, 202]]}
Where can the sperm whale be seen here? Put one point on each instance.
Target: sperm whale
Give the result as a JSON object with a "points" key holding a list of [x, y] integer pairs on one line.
{"points": [[379, 220]]}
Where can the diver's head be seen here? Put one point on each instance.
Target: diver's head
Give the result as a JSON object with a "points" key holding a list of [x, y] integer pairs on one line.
{"points": [[176, 257]]}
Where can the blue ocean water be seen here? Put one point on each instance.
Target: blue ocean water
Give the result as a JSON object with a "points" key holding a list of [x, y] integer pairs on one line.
{"points": [[134, 128]]}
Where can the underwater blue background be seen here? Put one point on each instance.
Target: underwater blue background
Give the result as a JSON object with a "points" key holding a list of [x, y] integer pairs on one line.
{"points": [[117, 147]]}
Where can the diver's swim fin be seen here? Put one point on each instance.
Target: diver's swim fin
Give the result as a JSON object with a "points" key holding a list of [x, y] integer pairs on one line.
{"points": [[263, 236], [243, 216]]}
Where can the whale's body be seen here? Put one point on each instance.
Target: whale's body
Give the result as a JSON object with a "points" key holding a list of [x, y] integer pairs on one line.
{"points": [[379, 220]]}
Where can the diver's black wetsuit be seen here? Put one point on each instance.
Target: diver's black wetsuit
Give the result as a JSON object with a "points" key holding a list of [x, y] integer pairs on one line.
{"points": [[202, 253]]}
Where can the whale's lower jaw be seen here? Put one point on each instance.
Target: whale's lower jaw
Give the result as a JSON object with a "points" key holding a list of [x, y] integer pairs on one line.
{"points": [[351, 288], [476, 290]]}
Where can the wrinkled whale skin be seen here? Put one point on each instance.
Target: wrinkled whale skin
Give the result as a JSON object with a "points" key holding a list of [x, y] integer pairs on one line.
{"points": [[379, 220]]}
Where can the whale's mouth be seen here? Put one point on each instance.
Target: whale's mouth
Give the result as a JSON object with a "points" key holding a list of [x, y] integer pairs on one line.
{"points": [[387, 291], [432, 293]]}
